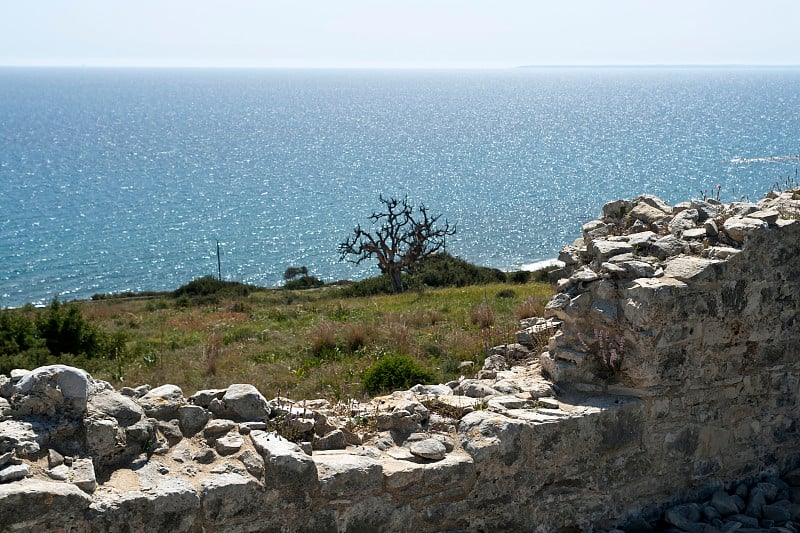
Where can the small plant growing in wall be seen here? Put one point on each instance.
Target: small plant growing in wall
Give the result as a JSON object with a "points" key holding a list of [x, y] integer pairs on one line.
{"points": [[607, 352]]}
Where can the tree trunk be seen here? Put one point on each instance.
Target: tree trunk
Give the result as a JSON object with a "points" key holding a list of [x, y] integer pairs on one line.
{"points": [[397, 280]]}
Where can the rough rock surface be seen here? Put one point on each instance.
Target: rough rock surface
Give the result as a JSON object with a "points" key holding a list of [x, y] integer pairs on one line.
{"points": [[666, 400]]}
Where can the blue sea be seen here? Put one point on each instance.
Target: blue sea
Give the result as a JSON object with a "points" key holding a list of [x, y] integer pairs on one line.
{"points": [[125, 179]]}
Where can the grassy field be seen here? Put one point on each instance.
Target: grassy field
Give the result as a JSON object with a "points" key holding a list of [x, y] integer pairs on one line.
{"points": [[306, 344]]}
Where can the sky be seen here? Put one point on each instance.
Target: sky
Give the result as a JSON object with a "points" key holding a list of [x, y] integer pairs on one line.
{"points": [[398, 33]]}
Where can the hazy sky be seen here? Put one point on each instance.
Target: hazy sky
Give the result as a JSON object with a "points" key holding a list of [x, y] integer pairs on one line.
{"points": [[398, 33]]}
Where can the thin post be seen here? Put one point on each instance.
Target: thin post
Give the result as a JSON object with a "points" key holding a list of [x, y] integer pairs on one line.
{"points": [[219, 264]]}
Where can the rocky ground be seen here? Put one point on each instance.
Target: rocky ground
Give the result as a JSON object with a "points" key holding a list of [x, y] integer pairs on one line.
{"points": [[766, 504]]}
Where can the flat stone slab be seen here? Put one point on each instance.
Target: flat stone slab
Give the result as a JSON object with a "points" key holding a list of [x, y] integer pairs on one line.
{"points": [[602, 249], [432, 449], [688, 267], [11, 473], [38, 504], [344, 474], [647, 213], [738, 228], [284, 461]]}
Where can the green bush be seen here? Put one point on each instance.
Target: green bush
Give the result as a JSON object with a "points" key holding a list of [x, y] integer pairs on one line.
{"points": [[293, 272], [304, 282], [506, 293], [445, 270], [369, 287], [209, 289], [438, 270], [64, 330], [519, 276], [17, 333], [396, 372], [58, 333]]}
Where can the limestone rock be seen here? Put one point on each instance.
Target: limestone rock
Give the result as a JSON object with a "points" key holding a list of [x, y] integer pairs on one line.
{"points": [[171, 431], [432, 449], [342, 475], [52, 389], [37, 505], [653, 201], [162, 403], [218, 427], [253, 462], [617, 209], [595, 229], [737, 228], [204, 455], [226, 498], [284, 461], [191, 419], [695, 233], [638, 269], [241, 402], [724, 503], [647, 214], [103, 437], [399, 420], [9, 473], [335, 440], [668, 246], [602, 250], [687, 267], [59, 473], [229, 444], [685, 517], [6, 387], [18, 436], [82, 475], [108, 403], [432, 390], [203, 398], [474, 388], [684, 220]]}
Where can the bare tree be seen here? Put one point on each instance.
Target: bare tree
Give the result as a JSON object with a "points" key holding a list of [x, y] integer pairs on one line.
{"points": [[401, 236]]}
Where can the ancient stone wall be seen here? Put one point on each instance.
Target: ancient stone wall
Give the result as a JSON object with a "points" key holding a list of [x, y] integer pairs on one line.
{"points": [[669, 368]]}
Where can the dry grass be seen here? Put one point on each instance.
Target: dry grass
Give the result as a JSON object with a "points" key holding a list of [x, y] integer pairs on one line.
{"points": [[308, 343], [322, 337], [530, 307], [482, 315]]}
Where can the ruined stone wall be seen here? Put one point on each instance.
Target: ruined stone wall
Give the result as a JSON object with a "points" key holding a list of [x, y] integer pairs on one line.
{"points": [[671, 368]]}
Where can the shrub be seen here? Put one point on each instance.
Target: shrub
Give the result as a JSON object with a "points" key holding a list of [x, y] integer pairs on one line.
{"points": [[396, 372], [293, 272], [369, 287], [55, 334], [209, 289], [17, 333], [323, 338], [304, 282], [355, 336], [482, 315], [519, 276], [506, 293], [445, 270], [439, 270], [64, 330]]}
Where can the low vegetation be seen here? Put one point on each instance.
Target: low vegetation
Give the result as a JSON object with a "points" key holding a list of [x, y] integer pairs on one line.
{"points": [[338, 341]]}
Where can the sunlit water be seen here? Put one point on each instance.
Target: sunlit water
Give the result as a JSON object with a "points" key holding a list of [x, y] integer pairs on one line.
{"points": [[116, 180]]}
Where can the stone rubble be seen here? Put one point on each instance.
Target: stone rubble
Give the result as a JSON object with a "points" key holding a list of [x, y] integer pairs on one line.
{"points": [[658, 393], [766, 503]]}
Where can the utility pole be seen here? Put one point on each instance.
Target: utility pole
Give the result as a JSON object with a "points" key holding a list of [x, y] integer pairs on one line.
{"points": [[219, 264]]}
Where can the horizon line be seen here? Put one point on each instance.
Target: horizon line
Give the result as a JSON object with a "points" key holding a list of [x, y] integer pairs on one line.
{"points": [[374, 67]]}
